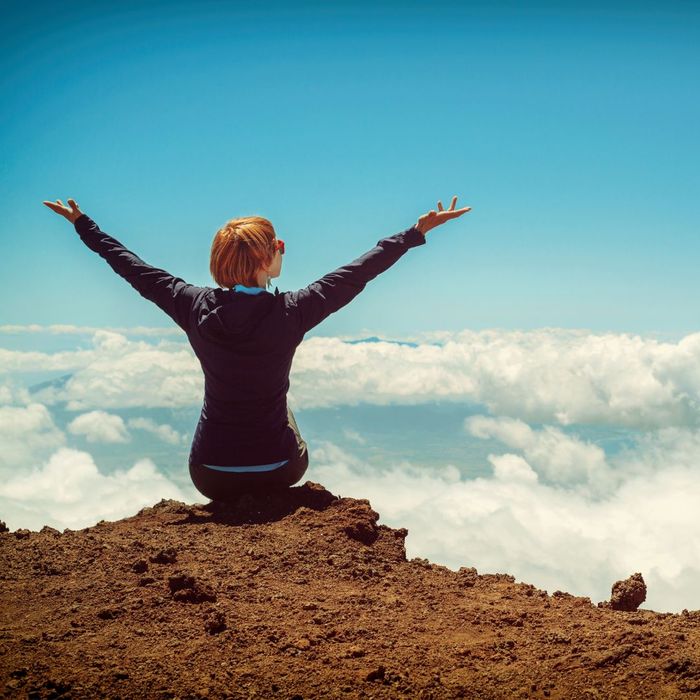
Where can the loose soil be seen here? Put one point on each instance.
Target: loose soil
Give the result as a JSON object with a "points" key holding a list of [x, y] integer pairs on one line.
{"points": [[302, 595]]}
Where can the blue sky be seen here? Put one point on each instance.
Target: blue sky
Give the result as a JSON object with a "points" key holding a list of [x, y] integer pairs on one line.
{"points": [[571, 129], [539, 392]]}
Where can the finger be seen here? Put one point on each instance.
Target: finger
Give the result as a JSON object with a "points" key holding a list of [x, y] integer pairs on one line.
{"points": [[72, 204], [454, 213], [454, 201], [440, 206], [58, 208]]}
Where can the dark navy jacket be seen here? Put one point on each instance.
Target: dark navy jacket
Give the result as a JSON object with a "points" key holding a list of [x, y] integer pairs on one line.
{"points": [[245, 342]]}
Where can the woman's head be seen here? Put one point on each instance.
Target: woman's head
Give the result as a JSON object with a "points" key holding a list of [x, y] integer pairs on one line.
{"points": [[243, 249]]}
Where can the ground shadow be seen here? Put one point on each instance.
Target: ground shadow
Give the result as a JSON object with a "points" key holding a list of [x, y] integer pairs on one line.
{"points": [[259, 507]]}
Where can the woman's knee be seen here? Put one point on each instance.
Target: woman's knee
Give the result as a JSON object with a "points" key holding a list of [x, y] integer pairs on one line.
{"points": [[202, 484], [301, 465]]}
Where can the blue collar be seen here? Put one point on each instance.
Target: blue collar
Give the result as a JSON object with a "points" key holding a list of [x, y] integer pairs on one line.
{"points": [[248, 290]]}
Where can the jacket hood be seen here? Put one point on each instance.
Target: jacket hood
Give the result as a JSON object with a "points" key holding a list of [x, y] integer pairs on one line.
{"points": [[234, 316]]}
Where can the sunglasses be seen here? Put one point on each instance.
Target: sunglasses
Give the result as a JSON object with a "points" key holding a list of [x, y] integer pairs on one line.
{"points": [[279, 245]]}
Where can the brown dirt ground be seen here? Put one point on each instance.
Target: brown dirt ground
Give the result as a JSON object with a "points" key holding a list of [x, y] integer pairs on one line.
{"points": [[303, 595]]}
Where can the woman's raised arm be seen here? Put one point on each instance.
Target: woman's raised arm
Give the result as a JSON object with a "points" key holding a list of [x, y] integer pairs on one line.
{"points": [[172, 294], [336, 289]]}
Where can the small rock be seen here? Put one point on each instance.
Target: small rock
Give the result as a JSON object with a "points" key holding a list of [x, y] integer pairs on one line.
{"points": [[468, 576], [3, 527], [356, 652], [109, 613], [22, 533], [363, 526], [628, 594], [48, 530], [185, 588], [377, 674], [165, 556], [215, 622], [179, 581], [139, 566]]}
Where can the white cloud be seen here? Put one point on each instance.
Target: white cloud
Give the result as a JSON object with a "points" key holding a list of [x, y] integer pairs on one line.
{"points": [[545, 376], [27, 434], [12, 392], [555, 455], [163, 431], [550, 375], [99, 426], [27, 361], [354, 436], [553, 535], [120, 373], [70, 491], [69, 329], [512, 468]]}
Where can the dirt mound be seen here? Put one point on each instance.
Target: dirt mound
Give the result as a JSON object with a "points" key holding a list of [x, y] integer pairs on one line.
{"points": [[304, 595]]}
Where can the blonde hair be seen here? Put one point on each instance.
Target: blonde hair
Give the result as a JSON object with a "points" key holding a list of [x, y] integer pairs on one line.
{"points": [[240, 248]]}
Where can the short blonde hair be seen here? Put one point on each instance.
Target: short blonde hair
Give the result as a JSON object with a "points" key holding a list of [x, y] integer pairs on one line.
{"points": [[240, 248]]}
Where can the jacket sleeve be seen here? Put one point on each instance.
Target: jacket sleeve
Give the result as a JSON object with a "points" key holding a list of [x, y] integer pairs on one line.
{"points": [[171, 294], [336, 289]]}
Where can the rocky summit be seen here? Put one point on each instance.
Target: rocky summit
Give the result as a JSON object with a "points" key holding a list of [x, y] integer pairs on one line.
{"points": [[303, 595]]}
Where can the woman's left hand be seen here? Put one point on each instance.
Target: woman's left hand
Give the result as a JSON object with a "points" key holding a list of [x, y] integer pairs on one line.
{"points": [[71, 213], [436, 218]]}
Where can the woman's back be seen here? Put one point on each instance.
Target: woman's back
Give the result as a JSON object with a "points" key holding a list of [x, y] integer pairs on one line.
{"points": [[245, 343]]}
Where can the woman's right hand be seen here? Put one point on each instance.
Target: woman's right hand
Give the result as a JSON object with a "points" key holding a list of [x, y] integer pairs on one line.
{"points": [[435, 218], [71, 213]]}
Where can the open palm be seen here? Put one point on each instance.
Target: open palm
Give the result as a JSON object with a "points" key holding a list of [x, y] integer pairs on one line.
{"points": [[435, 218], [71, 213]]}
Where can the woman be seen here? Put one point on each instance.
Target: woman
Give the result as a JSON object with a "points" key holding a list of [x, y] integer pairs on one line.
{"points": [[245, 338]]}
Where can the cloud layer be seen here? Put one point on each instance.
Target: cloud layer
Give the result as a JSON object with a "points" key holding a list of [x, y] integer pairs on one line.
{"points": [[539, 376], [70, 491], [555, 534], [546, 376]]}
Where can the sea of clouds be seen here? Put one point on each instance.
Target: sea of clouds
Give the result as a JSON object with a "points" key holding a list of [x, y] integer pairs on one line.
{"points": [[553, 508]]}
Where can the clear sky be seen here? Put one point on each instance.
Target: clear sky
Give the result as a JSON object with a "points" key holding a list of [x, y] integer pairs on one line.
{"points": [[536, 409], [570, 128]]}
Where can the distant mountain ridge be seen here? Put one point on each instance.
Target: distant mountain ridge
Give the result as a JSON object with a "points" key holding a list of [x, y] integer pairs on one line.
{"points": [[55, 383]]}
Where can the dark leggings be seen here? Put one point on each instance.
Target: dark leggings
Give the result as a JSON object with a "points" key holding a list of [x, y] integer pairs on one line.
{"points": [[227, 486]]}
